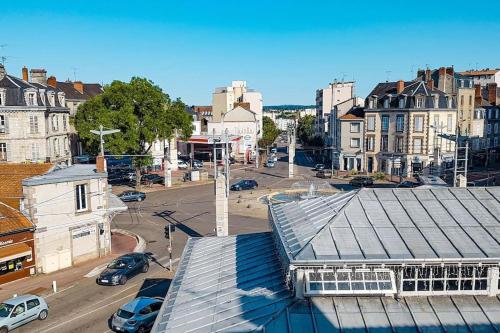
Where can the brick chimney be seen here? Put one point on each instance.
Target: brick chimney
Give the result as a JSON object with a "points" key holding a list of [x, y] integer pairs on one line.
{"points": [[492, 93], [442, 71], [450, 71], [78, 85], [52, 81], [100, 164], [477, 90], [38, 76], [400, 86], [25, 73], [427, 74], [430, 84]]}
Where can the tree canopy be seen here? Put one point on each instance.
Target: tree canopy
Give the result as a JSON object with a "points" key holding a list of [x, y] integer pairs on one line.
{"points": [[140, 110], [269, 132], [305, 128]]}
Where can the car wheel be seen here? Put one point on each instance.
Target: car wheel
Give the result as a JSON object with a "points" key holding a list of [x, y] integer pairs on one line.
{"points": [[43, 315], [145, 268], [4, 330], [123, 280], [141, 329]]}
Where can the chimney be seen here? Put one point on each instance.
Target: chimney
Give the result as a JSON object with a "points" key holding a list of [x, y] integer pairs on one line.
{"points": [[38, 76], [477, 89], [427, 74], [100, 164], [25, 74], [442, 71], [492, 93], [78, 85], [2, 71], [450, 71], [400, 85], [430, 84], [52, 81]]}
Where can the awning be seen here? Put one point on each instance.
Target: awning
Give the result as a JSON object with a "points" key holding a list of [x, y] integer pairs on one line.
{"points": [[14, 251], [115, 205]]}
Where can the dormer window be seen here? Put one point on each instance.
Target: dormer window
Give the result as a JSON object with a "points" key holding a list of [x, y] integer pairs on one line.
{"points": [[42, 96], [30, 97], [386, 103], [419, 102], [436, 101], [449, 102], [61, 98], [370, 104], [2, 97], [51, 98], [402, 103]]}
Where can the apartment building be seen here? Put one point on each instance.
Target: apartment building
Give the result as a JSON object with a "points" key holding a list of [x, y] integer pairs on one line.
{"points": [[326, 98], [350, 142], [403, 121], [34, 119], [483, 77]]}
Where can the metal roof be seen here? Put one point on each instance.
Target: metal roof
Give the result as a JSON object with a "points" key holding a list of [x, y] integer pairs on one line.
{"points": [[66, 174], [231, 284], [298, 222], [386, 314], [387, 225]]}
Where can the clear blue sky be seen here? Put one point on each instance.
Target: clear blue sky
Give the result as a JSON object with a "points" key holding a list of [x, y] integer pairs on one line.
{"points": [[285, 49]]}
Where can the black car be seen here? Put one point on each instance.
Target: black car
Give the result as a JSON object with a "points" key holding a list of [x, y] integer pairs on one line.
{"points": [[122, 268], [244, 184], [325, 173], [152, 178], [318, 167], [361, 181], [132, 196], [408, 184]]}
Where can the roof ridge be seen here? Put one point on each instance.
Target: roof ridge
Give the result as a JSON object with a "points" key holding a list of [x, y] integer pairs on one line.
{"points": [[329, 221]]}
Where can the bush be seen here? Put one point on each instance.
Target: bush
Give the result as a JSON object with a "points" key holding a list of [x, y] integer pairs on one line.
{"points": [[379, 176], [353, 172]]}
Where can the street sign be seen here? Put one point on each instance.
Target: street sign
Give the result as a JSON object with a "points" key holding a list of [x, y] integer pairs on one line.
{"points": [[397, 163]]}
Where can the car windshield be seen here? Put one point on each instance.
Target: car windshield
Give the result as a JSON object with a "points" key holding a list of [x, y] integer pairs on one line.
{"points": [[5, 309], [124, 314], [116, 264]]}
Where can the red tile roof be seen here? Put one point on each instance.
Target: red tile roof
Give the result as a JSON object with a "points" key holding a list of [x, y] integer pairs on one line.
{"points": [[11, 220]]}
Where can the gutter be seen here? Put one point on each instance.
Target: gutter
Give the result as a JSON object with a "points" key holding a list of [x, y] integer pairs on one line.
{"points": [[412, 261]]}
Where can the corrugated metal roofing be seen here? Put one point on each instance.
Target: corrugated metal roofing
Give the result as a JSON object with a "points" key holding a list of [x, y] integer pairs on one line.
{"points": [[394, 224], [231, 284]]}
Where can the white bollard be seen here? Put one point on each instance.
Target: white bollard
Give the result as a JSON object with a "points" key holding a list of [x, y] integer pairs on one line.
{"points": [[14, 296], [54, 286]]}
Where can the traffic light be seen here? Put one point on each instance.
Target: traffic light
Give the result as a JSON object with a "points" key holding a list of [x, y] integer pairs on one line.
{"points": [[167, 232]]}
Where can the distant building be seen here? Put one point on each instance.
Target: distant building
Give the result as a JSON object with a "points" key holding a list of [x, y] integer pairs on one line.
{"points": [[348, 146], [483, 77], [72, 208], [403, 121], [34, 119], [326, 99], [282, 118], [203, 114]]}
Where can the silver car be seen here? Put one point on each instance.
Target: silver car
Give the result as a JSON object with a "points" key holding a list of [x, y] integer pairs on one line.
{"points": [[20, 310]]}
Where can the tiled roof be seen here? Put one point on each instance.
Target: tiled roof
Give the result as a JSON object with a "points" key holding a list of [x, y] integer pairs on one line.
{"points": [[89, 90], [399, 224], [12, 220], [11, 177], [480, 72], [350, 116]]}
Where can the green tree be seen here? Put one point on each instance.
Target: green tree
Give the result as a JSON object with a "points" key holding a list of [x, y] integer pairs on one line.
{"points": [[142, 112], [305, 128], [269, 132]]}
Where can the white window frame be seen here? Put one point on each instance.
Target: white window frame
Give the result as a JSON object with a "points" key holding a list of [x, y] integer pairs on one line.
{"points": [[3, 151], [449, 122], [51, 98], [370, 143], [65, 123], [35, 152], [420, 128], [34, 124], [81, 198], [353, 127], [3, 124], [418, 102], [419, 151], [401, 103], [2, 97], [400, 123], [372, 122], [356, 141], [386, 121]]}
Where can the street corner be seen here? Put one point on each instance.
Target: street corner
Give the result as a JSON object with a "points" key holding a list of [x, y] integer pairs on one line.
{"points": [[123, 241]]}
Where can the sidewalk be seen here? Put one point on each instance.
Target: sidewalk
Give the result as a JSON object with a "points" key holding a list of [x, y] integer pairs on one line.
{"points": [[42, 284]]}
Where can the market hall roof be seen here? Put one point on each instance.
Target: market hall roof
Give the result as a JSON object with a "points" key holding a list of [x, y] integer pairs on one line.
{"points": [[393, 225]]}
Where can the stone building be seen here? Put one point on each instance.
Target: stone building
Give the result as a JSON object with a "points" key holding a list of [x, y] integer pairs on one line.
{"points": [[34, 119]]}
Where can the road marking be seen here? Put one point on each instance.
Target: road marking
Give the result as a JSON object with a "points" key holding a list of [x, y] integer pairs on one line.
{"points": [[96, 271], [60, 291]]}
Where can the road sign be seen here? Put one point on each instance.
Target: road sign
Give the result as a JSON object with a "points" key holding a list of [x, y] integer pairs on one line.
{"points": [[397, 163]]}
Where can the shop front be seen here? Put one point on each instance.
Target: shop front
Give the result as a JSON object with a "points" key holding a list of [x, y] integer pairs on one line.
{"points": [[17, 258]]}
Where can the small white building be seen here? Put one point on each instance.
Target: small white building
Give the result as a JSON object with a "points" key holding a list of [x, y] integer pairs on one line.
{"points": [[240, 122], [71, 208]]}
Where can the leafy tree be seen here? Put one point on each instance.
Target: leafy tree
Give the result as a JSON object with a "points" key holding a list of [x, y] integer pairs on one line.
{"points": [[305, 128], [269, 132], [142, 112]]}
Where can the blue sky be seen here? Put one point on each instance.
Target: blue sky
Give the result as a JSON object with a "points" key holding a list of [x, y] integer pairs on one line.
{"points": [[285, 49]]}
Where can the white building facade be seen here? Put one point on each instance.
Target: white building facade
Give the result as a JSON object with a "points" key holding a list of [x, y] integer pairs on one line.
{"points": [[326, 99]]}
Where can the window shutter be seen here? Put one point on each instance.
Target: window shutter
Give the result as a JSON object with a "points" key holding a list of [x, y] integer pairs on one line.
{"points": [[6, 124]]}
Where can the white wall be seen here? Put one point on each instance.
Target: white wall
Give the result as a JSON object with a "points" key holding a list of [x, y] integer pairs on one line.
{"points": [[244, 129]]}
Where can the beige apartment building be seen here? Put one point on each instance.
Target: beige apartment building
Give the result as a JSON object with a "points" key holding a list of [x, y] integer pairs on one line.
{"points": [[403, 121], [351, 141], [326, 99]]}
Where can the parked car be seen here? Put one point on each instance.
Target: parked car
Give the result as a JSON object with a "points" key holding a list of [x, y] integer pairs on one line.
{"points": [[182, 165], [274, 150], [122, 268], [244, 184], [318, 167], [152, 178], [197, 164], [361, 181], [82, 159], [270, 163], [21, 310], [325, 173], [137, 315], [408, 184], [118, 180], [128, 196]]}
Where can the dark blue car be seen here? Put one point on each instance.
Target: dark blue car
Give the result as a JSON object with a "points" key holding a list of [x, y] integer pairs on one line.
{"points": [[132, 196], [244, 184], [123, 268], [137, 315]]}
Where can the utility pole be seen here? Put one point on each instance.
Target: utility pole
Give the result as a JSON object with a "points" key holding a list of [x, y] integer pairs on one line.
{"points": [[169, 229], [291, 149], [101, 132], [257, 144]]}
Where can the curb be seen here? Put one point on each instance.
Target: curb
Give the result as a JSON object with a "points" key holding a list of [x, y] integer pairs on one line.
{"points": [[141, 243]]}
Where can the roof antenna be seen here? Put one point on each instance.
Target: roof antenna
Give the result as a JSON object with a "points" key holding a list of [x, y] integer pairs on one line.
{"points": [[388, 73], [2, 58], [74, 73]]}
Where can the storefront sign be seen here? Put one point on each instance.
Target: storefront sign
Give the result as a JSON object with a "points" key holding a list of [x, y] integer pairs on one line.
{"points": [[7, 242]]}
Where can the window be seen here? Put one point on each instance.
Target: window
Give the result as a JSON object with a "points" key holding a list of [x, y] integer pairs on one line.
{"points": [[35, 152], [495, 141], [32, 303], [386, 103], [56, 147], [2, 97], [385, 123], [417, 145], [398, 145], [354, 142], [3, 151], [418, 125], [370, 123], [3, 124], [419, 102], [33, 124], [495, 128], [351, 282], [384, 143], [488, 128], [370, 104], [470, 100], [445, 280], [401, 103], [55, 123], [462, 100], [400, 123], [370, 143], [18, 310], [31, 99], [436, 121], [449, 123], [66, 146], [51, 98], [449, 102], [81, 197], [355, 127], [65, 123]]}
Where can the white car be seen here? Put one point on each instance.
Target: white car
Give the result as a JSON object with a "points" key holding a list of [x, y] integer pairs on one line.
{"points": [[21, 310], [182, 165]]}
